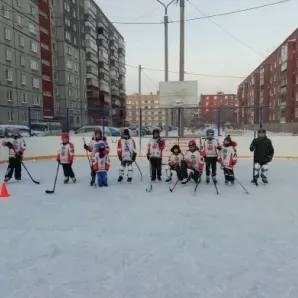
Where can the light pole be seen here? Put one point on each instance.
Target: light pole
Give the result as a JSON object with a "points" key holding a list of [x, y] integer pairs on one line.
{"points": [[166, 21]]}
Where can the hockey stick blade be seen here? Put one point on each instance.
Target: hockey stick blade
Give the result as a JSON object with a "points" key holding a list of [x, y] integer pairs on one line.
{"points": [[50, 191], [149, 189]]}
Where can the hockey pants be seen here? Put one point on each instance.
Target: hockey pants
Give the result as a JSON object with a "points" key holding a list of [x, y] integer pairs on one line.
{"points": [[211, 163], [14, 166], [67, 170], [260, 167], [102, 178], [229, 174], [181, 171], [129, 168], [155, 167]]}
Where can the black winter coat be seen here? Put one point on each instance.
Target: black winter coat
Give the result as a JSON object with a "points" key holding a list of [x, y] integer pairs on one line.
{"points": [[262, 148]]}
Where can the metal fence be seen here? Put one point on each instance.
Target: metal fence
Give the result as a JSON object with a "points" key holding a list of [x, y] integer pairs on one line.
{"points": [[174, 121]]}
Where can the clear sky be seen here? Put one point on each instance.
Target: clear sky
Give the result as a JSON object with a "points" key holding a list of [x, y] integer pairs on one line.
{"points": [[208, 49]]}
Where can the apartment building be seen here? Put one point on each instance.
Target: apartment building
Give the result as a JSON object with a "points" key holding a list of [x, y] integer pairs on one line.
{"points": [[105, 60], [270, 93], [70, 62], [20, 60], [218, 107], [148, 107]]}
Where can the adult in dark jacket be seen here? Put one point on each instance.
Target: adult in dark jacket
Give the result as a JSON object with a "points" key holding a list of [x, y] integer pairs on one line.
{"points": [[263, 154]]}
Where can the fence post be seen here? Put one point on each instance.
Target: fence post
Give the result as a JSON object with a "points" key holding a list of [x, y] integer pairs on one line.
{"points": [[103, 122], [29, 121], [218, 119], [140, 129], [67, 120], [261, 116]]}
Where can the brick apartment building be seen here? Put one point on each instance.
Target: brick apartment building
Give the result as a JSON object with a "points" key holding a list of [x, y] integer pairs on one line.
{"points": [[270, 92], [149, 106], [59, 55], [224, 104]]}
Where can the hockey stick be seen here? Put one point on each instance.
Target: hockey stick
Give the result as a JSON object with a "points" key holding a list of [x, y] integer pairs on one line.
{"points": [[253, 168], [139, 170], [215, 185], [237, 180], [17, 154], [89, 161], [150, 185], [172, 187], [55, 181]]}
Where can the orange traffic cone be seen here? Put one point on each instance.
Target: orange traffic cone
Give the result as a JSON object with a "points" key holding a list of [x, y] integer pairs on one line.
{"points": [[3, 191]]}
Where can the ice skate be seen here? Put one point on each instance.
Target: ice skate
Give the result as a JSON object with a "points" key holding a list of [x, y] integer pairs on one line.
{"points": [[264, 179], [74, 180], [207, 179], [120, 179], [214, 179], [66, 180], [129, 179]]}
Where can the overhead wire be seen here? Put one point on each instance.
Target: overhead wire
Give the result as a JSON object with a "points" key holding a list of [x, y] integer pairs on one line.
{"points": [[225, 30], [174, 21]]}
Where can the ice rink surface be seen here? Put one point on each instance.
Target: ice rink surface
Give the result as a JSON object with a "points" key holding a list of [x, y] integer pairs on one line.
{"points": [[121, 241]]}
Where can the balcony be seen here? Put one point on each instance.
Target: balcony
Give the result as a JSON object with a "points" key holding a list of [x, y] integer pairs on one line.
{"points": [[122, 60], [115, 92], [104, 65], [103, 43], [114, 74], [122, 70], [113, 45], [121, 43], [104, 87], [121, 52]]}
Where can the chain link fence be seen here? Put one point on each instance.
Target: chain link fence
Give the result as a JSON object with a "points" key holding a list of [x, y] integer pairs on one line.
{"points": [[177, 121]]}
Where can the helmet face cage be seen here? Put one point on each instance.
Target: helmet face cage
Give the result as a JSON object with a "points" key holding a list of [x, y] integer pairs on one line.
{"points": [[261, 132]]}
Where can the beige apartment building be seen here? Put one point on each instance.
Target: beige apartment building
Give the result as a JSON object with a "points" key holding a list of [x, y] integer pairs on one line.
{"points": [[149, 106]]}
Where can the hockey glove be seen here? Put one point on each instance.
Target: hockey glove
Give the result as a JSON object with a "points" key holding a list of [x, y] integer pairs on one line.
{"points": [[9, 145], [148, 156], [19, 156], [269, 158], [58, 160], [134, 155], [86, 147], [120, 157]]}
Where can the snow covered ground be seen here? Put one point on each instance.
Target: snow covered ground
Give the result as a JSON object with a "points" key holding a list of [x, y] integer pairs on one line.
{"points": [[121, 241]]}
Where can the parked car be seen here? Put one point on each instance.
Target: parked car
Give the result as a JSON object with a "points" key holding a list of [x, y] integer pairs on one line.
{"points": [[89, 130], [115, 132], [24, 130]]}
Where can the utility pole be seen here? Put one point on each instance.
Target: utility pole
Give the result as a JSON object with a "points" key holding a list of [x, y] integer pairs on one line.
{"points": [[166, 21], [181, 62], [140, 107], [182, 23]]}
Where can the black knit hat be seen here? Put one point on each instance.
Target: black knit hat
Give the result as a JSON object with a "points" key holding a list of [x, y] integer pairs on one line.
{"points": [[175, 147], [228, 139]]}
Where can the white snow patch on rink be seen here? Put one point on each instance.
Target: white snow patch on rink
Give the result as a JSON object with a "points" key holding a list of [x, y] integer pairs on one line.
{"points": [[122, 242]]}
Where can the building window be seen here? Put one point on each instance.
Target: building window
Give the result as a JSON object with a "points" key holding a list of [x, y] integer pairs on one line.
{"points": [[45, 47], [8, 95], [76, 81], [25, 117], [5, 12], [67, 22], [24, 98], [68, 36], [69, 64], [7, 34], [76, 67], [76, 55], [32, 28], [69, 78], [21, 41], [75, 40], [22, 60], [31, 10], [23, 79], [77, 94], [19, 3], [35, 83], [9, 75], [33, 46], [69, 51], [66, 6], [56, 91], [10, 116], [34, 65], [36, 100], [8, 54], [69, 92], [20, 20]]}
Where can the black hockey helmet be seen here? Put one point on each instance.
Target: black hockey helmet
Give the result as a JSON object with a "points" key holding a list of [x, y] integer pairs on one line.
{"points": [[156, 132], [261, 132], [126, 133]]}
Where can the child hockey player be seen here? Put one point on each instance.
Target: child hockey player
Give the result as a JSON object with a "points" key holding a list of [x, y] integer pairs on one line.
{"points": [[176, 163], [101, 164], [210, 151], [228, 159], [154, 154], [126, 150], [65, 157], [194, 161], [97, 138], [16, 147], [263, 154]]}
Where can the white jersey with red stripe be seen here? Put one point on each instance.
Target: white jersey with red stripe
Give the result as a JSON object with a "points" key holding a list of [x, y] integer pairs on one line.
{"points": [[66, 153], [18, 144], [228, 156], [209, 147], [156, 147], [93, 142], [101, 163], [175, 159], [194, 159], [126, 148]]}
